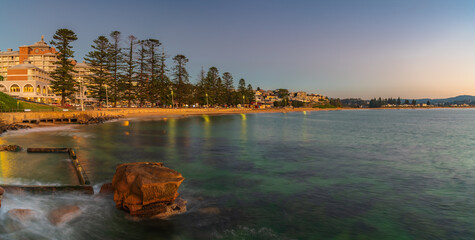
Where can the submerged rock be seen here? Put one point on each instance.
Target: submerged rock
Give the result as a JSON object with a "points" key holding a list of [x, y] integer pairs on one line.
{"points": [[147, 189], [22, 215], [62, 215], [210, 210], [161, 210], [10, 148]]}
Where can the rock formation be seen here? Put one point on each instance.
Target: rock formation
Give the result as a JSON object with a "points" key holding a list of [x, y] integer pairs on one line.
{"points": [[10, 148], [86, 120], [62, 215], [4, 128], [147, 189]]}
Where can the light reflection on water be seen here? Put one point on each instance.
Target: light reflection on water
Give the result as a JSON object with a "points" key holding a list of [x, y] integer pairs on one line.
{"points": [[382, 174]]}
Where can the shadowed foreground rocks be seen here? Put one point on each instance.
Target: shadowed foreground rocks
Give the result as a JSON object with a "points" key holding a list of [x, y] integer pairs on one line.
{"points": [[147, 190], [4, 128]]}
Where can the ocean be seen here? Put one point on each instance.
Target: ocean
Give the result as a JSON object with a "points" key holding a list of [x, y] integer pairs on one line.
{"points": [[362, 174]]}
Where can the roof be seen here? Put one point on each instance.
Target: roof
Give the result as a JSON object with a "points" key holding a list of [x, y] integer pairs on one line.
{"points": [[41, 43], [10, 53], [82, 65], [23, 66]]}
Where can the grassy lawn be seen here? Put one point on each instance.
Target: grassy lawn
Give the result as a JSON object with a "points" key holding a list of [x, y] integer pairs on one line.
{"points": [[8, 103]]}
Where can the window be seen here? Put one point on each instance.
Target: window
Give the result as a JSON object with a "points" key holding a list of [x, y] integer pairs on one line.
{"points": [[14, 88], [38, 89], [28, 88]]}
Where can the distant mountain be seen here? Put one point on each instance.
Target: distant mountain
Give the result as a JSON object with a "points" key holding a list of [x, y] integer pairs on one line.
{"points": [[468, 99]]}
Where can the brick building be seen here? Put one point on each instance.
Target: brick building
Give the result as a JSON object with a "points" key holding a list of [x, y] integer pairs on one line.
{"points": [[39, 54]]}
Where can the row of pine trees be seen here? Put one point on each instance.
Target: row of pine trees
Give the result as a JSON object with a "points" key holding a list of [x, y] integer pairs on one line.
{"points": [[135, 72]]}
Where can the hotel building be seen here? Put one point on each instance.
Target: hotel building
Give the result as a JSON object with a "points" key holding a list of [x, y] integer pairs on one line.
{"points": [[29, 82], [26, 73], [39, 54]]}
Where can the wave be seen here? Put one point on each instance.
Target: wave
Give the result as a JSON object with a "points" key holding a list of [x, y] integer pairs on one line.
{"points": [[26, 182], [39, 129]]}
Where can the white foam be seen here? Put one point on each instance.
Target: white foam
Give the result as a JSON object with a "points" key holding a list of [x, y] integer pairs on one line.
{"points": [[38, 129]]}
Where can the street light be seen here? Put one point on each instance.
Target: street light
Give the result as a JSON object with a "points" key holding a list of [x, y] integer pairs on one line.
{"points": [[82, 97], [107, 99], [207, 104], [243, 100], [172, 97]]}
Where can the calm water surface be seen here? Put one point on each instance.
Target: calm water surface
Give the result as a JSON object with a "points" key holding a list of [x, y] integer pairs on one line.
{"points": [[369, 174]]}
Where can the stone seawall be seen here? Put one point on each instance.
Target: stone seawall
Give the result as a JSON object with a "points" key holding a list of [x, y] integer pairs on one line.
{"points": [[52, 117], [77, 116]]}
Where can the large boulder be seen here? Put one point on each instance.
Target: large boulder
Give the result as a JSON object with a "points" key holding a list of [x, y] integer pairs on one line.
{"points": [[62, 215], [145, 186]]}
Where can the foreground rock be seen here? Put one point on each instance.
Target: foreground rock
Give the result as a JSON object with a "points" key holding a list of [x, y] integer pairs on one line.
{"points": [[2, 191], [62, 215], [10, 148], [161, 210], [147, 189], [22, 215]]}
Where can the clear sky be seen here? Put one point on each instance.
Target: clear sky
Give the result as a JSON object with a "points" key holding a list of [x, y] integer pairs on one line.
{"points": [[354, 48]]}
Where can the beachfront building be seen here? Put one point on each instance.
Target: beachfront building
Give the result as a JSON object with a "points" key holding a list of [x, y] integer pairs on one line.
{"points": [[31, 66], [28, 82], [39, 54], [81, 76]]}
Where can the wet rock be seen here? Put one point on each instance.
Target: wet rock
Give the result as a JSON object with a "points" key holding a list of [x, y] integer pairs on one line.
{"points": [[65, 214], [147, 189], [86, 120], [2, 191], [161, 210], [22, 215], [107, 188], [10, 148], [4, 128]]}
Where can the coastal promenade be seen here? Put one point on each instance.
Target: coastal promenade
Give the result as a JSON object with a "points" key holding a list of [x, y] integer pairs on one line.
{"points": [[75, 116]]}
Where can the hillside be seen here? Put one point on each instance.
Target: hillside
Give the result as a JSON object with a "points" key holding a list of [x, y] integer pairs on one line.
{"points": [[453, 100]]}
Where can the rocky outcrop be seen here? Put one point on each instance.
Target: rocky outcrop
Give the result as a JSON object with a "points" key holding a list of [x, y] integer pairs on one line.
{"points": [[10, 148], [2, 191], [65, 214], [22, 215], [97, 120], [4, 128], [147, 189]]}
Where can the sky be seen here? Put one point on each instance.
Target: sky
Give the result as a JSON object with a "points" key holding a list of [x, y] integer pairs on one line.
{"points": [[354, 48]]}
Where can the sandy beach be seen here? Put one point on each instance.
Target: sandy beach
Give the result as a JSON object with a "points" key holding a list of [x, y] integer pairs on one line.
{"points": [[154, 113]]}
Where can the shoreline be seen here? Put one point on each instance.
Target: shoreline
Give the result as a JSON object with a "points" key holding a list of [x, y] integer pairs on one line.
{"points": [[153, 113]]}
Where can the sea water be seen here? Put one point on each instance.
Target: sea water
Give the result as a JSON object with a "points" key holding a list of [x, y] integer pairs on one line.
{"points": [[362, 174]]}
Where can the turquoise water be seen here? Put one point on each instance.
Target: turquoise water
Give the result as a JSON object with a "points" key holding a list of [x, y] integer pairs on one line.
{"points": [[366, 174]]}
